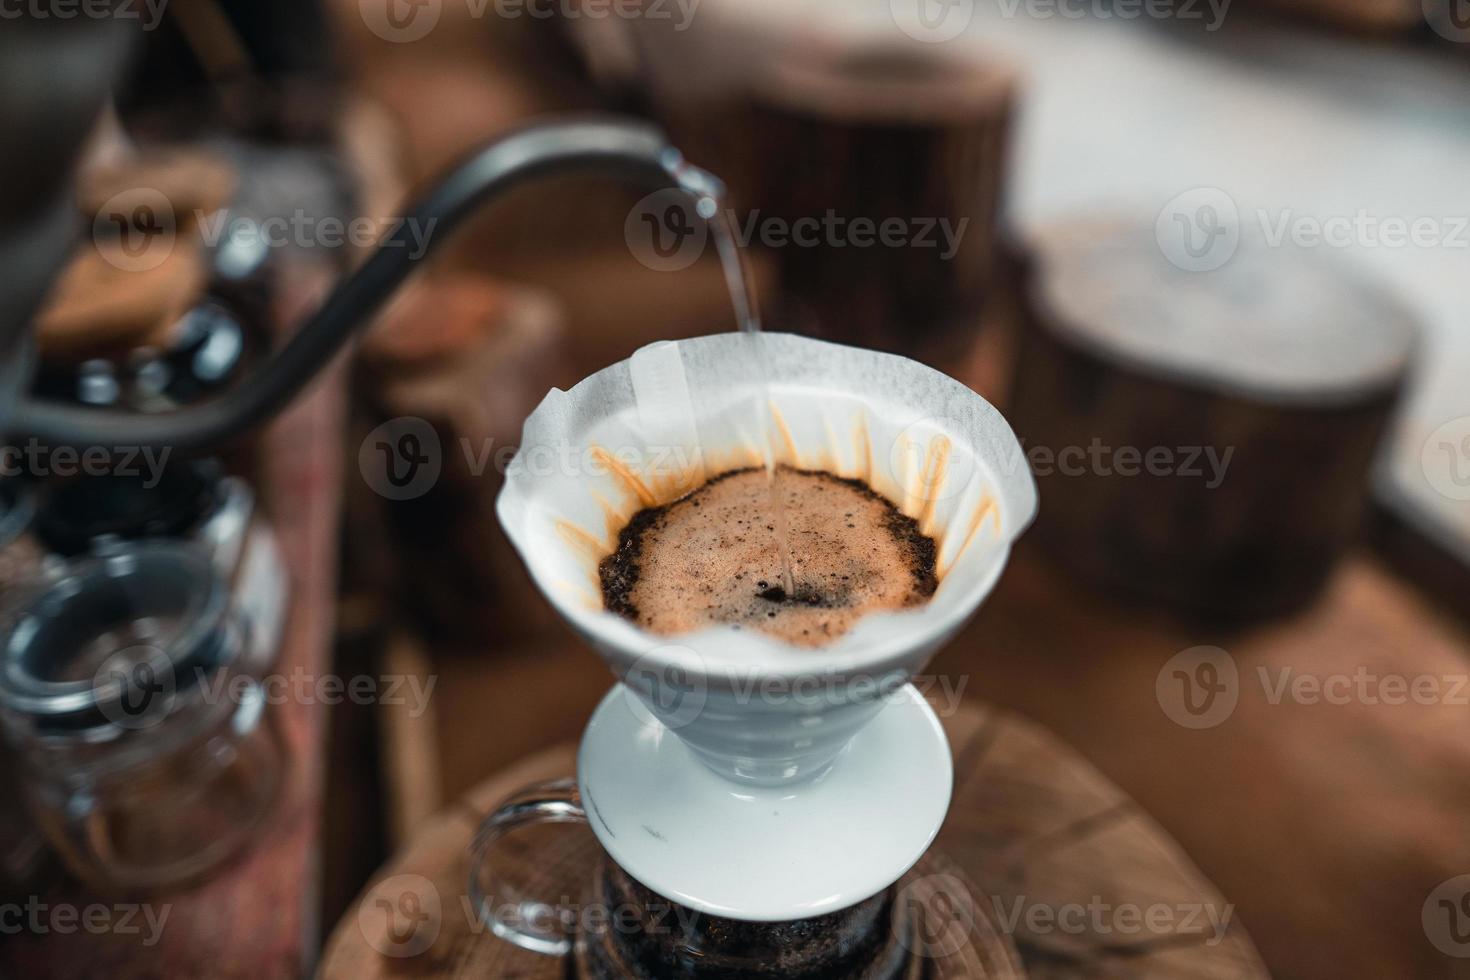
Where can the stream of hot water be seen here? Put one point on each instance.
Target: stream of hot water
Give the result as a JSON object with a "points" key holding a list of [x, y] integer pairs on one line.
{"points": [[711, 205]]}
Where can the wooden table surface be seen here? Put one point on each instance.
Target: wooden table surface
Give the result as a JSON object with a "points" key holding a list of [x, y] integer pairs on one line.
{"points": [[1064, 877], [1328, 808], [257, 917]]}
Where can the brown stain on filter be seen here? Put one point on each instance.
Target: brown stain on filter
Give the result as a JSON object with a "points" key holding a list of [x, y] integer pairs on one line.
{"points": [[987, 508], [864, 444], [931, 478], [793, 458], [625, 476], [581, 539]]}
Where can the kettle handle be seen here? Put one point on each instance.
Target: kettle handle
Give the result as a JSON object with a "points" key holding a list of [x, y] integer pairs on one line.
{"points": [[608, 144]]}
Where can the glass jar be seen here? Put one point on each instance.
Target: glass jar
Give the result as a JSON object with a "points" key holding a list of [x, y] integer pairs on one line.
{"points": [[20, 555], [22, 851], [618, 929], [191, 501], [133, 699]]}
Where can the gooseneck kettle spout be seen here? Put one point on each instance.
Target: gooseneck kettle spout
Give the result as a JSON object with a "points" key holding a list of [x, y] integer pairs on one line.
{"points": [[618, 147]]}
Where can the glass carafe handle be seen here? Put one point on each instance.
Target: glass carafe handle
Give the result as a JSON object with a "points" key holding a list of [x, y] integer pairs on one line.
{"points": [[532, 922]]}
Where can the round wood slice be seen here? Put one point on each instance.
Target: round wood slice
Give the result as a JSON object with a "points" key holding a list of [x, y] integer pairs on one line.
{"points": [[471, 357], [872, 170], [193, 182], [97, 308], [1035, 835], [1203, 436]]}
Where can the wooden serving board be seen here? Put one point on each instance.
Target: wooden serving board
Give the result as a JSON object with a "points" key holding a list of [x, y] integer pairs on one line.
{"points": [[1048, 869]]}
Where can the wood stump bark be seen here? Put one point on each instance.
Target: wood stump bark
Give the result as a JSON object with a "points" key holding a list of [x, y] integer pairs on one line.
{"points": [[871, 169], [1203, 436]]}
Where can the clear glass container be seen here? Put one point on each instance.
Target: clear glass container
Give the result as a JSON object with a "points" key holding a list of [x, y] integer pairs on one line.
{"points": [[132, 695], [20, 555], [22, 850], [191, 501]]}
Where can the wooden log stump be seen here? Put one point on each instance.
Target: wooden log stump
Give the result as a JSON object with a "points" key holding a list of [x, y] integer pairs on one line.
{"points": [[1380, 17], [468, 358], [872, 167], [1203, 437], [1043, 866]]}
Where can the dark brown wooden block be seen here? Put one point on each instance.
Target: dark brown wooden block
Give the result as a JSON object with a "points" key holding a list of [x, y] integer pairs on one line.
{"points": [[1203, 438], [470, 358], [873, 173]]}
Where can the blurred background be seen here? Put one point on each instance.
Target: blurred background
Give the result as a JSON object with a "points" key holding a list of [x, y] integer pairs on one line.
{"points": [[1210, 257]]}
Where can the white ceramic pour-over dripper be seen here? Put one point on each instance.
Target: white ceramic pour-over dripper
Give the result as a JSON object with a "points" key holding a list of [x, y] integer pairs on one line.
{"points": [[732, 772]]}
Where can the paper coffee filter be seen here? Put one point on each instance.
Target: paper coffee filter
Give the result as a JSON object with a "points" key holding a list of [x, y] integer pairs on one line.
{"points": [[647, 430]]}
